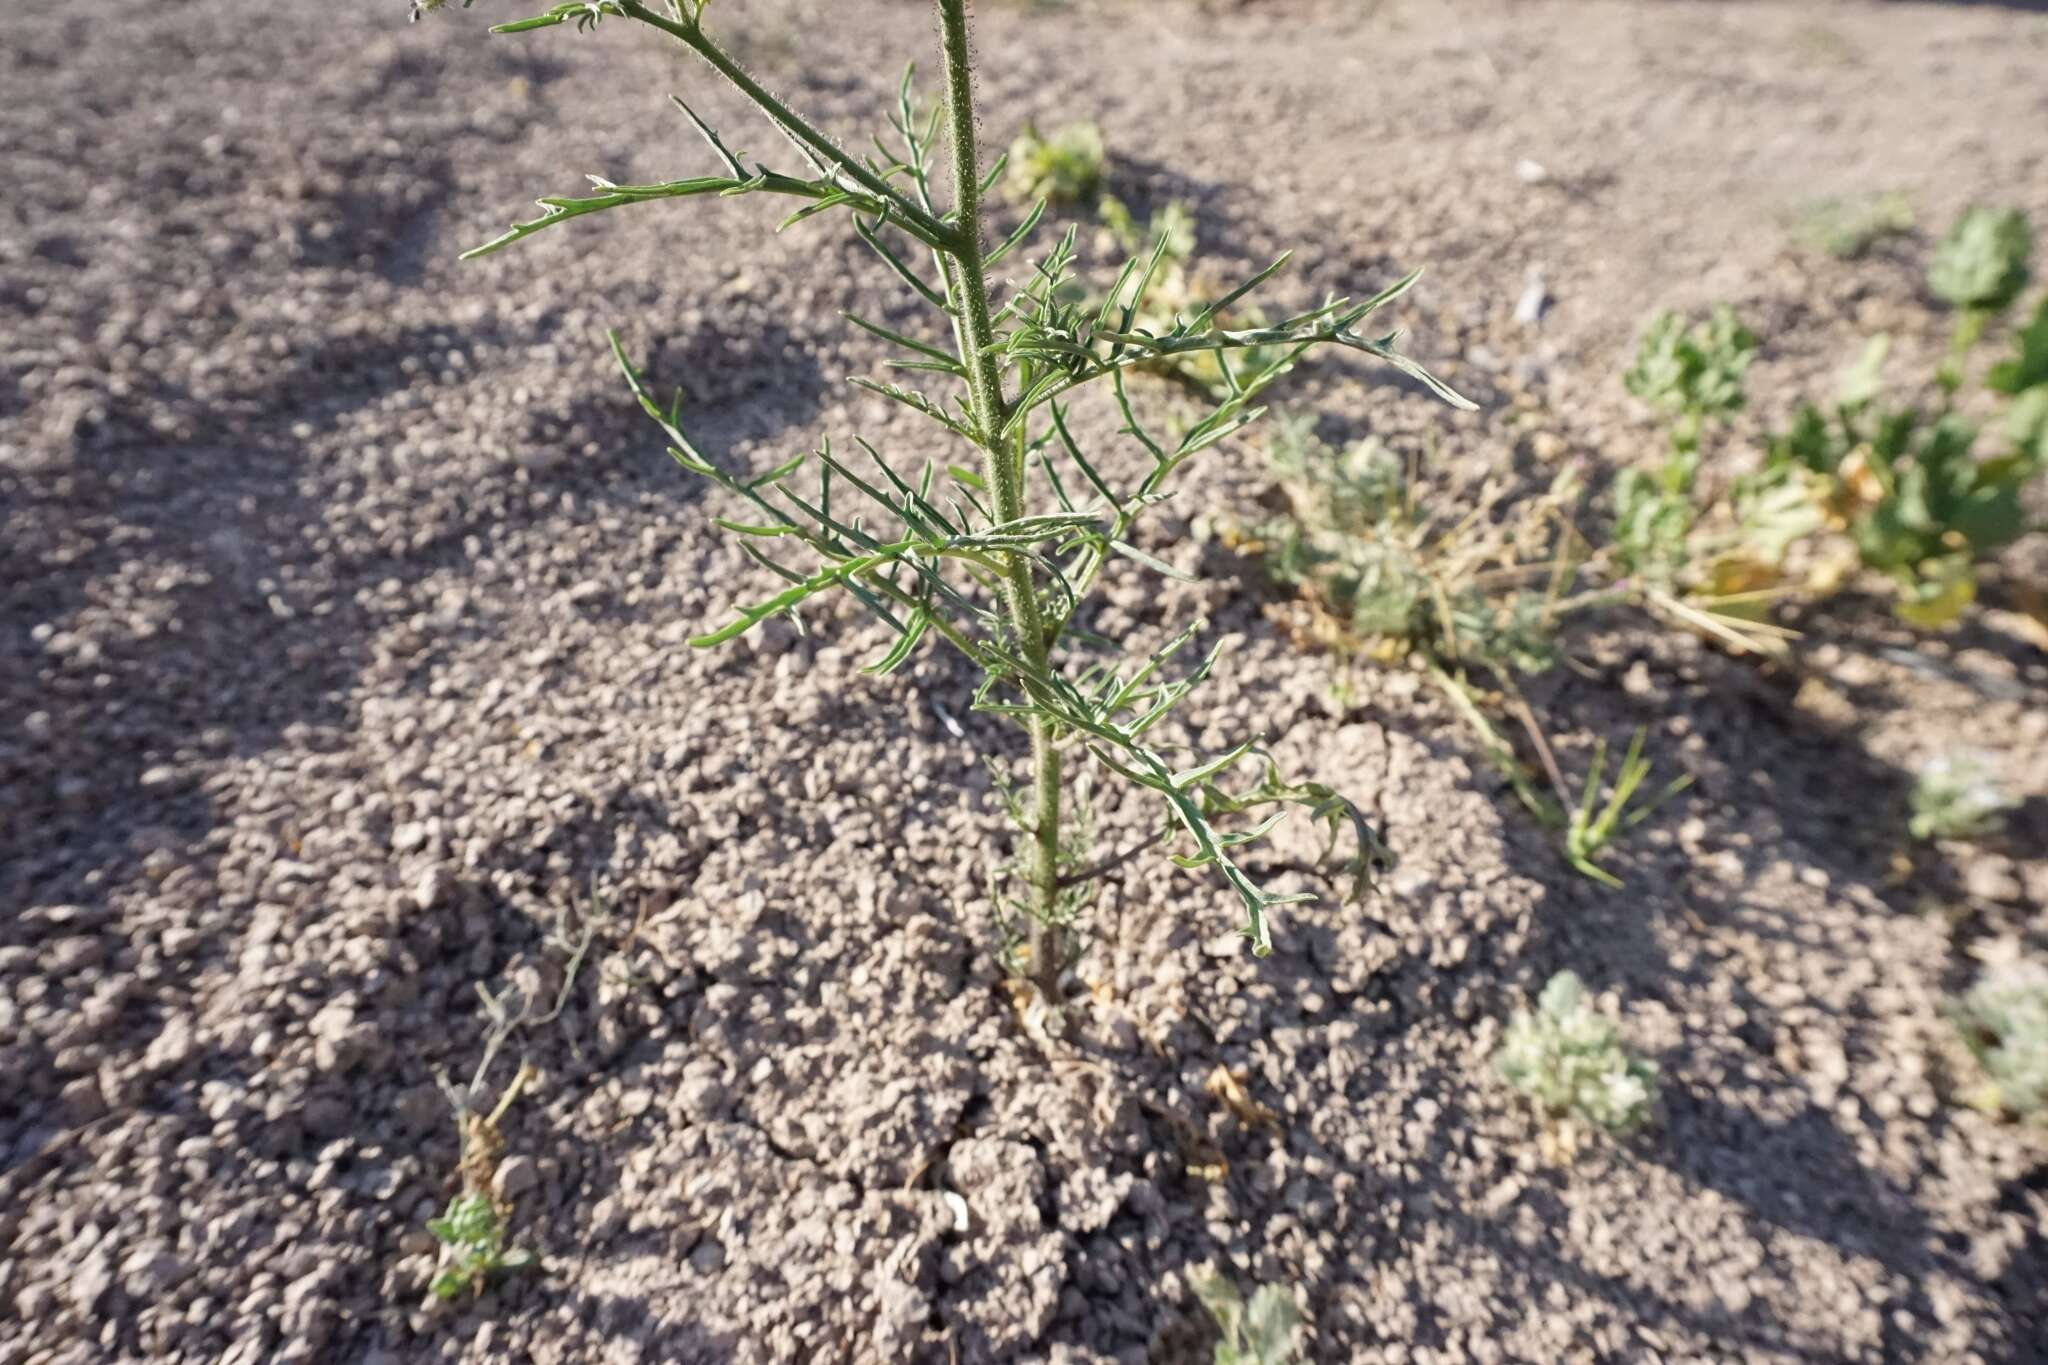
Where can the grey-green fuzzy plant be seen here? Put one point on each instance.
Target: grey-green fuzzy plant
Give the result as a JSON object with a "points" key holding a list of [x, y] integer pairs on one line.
{"points": [[1570, 1059], [2004, 1021], [996, 554], [1956, 797]]}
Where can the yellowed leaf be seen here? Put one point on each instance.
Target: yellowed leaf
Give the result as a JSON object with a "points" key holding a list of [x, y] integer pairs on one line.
{"points": [[1229, 1087]]}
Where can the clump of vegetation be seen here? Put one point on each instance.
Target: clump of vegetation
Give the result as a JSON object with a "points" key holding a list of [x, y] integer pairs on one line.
{"points": [[1259, 1332], [1891, 487], [1956, 797], [1848, 228], [1475, 594], [1570, 1059], [1981, 265], [1064, 168], [996, 554], [1912, 495], [2004, 1022], [1693, 375], [1386, 571]]}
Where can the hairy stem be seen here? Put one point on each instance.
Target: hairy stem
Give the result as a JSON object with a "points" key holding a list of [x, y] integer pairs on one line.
{"points": [[1004, 471]]}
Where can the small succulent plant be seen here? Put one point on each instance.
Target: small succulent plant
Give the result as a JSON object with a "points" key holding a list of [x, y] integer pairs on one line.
{"points": [[1956, 797], [2004, 1022], [1570, 1059], [1259, 1332]]}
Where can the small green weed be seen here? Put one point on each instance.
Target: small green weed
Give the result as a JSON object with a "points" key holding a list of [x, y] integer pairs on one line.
{"points": [[1692, 374], [476, 1250], [1260, 1332], [1956, 797], [1982, 262], [1570, 1059], [1593, 825], [471, 1232], [2004, 1022]]}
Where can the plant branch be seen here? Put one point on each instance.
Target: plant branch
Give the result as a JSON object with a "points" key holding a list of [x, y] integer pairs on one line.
{"points": [[799, 130]]}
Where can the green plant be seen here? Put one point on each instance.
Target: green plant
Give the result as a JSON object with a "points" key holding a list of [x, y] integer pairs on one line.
{"points": [[1848, 228], [1956, 797], [472, 1232], [1979, 268], [1982, 262], [476, 1250], [1260, 1332], [1180, 289], [1479, 589], [1910, 491], [1384, 571], [1691, 374], [1593, 824], [997, 558], [2003, 1019], [1903, 488], [1570, 1059], [1065, 168]]}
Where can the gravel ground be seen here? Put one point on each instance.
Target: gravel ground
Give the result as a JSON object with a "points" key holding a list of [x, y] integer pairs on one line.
{"points": [[342, 668]]}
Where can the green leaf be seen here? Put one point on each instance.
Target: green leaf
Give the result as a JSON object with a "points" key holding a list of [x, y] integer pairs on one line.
{"points": [[1982, 263], [821, 581], [2029, 366], [906, 642]]}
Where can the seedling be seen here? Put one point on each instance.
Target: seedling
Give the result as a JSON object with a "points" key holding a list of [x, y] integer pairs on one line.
{"points": [[472, 1232], [1570, 1059], [1593, 824], [475, 1252], [1956, 797], [1260, 1332], [997, 557], [2004, 1022]]}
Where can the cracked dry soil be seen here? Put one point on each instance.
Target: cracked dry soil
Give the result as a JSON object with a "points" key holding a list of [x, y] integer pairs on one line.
{"points": [[342, 608]]}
